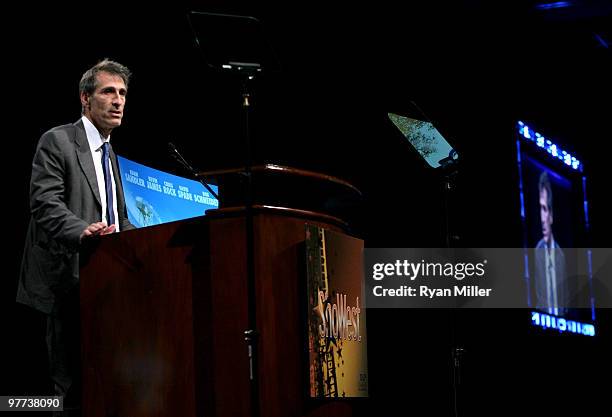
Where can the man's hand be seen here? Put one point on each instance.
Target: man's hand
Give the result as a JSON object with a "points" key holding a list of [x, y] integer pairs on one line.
{"points": [[95, 229]]}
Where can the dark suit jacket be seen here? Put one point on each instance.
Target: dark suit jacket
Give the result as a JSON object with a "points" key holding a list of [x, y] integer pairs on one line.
{"points": [[64, 200], [560, 277]]}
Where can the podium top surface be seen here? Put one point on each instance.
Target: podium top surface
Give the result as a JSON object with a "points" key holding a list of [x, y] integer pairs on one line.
{"points": [[281, 170], [288, 190]]}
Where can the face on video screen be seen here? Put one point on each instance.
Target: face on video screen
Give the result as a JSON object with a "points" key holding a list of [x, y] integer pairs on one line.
{"points": [[549, 205]]}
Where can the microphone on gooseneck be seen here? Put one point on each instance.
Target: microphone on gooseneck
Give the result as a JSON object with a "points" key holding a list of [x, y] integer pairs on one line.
{"points": [[179, 158]]}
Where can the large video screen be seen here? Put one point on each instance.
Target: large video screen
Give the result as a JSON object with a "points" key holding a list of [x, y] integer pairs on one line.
{"points": [[554, 212], [155, 197]]}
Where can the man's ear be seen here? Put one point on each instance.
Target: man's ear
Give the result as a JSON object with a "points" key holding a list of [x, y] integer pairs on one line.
{"points": [[85, 100]]}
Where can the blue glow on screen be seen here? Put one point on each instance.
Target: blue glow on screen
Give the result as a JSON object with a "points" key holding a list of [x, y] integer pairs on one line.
{"points": [[539, 319], [548, 321], [553, 5], [518, 157], [549, 146], [586, 204], [155, 197]]}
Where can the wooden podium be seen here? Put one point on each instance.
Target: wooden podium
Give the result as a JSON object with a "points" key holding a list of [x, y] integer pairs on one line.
{"points": [[164, 310]]}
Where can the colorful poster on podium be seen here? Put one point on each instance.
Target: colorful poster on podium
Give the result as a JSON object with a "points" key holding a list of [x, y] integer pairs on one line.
{"points": [[337, 341], [155, 197]]}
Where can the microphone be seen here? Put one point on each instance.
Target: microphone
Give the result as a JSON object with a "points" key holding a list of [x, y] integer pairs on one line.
{"points": [[179, 158]]}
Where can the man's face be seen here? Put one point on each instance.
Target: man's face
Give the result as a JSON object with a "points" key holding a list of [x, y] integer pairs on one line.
{"points": [[104, 107], [545, 215]]}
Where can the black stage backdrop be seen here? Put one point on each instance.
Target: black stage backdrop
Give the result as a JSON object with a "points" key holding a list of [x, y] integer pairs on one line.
{"points": [[472, 68]]}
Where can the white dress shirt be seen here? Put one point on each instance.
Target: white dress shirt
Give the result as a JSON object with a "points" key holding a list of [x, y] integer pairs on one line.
{"points": [[96, 141]]}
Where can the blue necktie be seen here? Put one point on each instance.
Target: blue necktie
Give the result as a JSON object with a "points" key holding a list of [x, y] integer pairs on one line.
{"points": [[549, 284], [110, 214]]}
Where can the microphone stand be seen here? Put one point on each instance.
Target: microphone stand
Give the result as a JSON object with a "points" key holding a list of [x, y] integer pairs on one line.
{"points": [[251, 335], [449, 169], [222, 54]]}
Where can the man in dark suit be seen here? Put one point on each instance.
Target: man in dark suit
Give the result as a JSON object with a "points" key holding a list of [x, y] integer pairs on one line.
{"points": [[550, 274], [75, 194]]}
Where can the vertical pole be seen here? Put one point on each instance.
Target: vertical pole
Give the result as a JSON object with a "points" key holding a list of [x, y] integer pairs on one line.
{"points": [[251, 335]]}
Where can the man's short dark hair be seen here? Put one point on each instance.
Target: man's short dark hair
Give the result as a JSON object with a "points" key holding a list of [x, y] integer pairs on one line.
{"points": [[544, 184], [88, 80]]}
